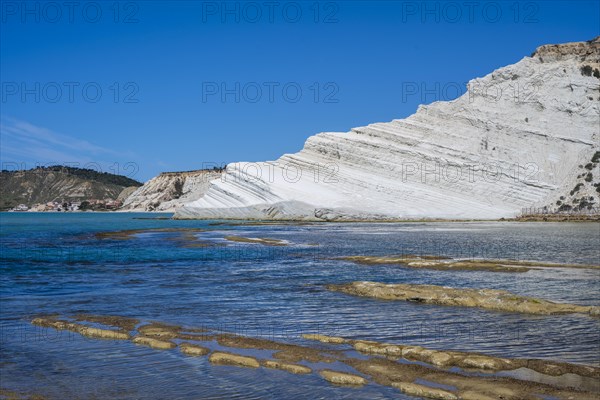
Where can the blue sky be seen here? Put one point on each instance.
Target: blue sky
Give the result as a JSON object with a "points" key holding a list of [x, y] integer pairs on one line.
{"points": [[150, 86]]}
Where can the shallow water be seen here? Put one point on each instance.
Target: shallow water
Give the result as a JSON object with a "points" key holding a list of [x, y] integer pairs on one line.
{"points": [[54, 263]]}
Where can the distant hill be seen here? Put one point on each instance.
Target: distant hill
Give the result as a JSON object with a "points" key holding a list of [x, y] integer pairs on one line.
{"points": [[59, 183]]}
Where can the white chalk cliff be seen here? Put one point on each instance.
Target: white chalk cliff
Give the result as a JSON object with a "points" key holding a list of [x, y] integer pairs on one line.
{"points": [[170, 190], [517, 138]]}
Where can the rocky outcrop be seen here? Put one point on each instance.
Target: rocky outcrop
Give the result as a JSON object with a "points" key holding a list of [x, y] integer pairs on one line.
{"points": [[557, 52], [125, 193], [342, 378], [83, 330], [414, 389], [223, 358], [154, 343], [324, 338], [291, 368], [514, 140], [170, 190], [193, 350], [491, 299]]}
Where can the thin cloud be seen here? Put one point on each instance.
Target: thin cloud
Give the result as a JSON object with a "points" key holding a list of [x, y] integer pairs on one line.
{"points": [[25, 143]]}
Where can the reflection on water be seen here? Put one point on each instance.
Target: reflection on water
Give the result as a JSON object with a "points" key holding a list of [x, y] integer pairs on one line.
{"points": [[55, 263]]}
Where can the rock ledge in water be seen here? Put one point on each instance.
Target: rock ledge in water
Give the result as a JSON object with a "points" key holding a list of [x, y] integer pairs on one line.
{"points": [[223, 358], [342, 378], [154, 343], [193, 350], [491, 299]]}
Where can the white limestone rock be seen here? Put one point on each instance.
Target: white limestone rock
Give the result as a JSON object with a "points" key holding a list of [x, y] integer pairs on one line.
{"points": [[529, 125], [170, 190]]}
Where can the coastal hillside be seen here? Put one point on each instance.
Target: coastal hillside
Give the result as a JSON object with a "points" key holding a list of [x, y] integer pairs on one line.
{"points": [[524, 136], [59, 184], [170, 190]]}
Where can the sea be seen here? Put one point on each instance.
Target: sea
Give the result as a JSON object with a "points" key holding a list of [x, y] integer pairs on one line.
{"points": [[187, 272]]}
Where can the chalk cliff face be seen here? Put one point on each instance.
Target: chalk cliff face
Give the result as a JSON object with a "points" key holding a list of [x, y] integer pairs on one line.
{"points": [[170, 190], [515, 139]]}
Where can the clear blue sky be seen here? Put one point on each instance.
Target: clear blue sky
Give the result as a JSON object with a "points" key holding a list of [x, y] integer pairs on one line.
{"points": [[161, 67]]}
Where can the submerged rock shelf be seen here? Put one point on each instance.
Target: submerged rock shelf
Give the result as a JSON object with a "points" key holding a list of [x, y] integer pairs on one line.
{"points": [[466, 360], [448, 264], [491, 299], [385, 366]]}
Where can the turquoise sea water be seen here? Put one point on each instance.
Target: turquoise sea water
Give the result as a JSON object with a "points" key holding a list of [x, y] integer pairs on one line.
{"points": [[54, 263]]}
